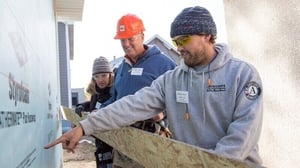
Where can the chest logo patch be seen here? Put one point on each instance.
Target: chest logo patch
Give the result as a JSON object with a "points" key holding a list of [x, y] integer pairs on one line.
{"points": [[216, 88]]}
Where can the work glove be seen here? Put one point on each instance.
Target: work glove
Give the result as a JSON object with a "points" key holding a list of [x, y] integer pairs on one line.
{"points": [[164, 130], [79, 109]]}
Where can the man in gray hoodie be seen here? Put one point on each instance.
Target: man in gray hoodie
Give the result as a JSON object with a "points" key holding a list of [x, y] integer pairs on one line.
{"points": [[213, 100]]}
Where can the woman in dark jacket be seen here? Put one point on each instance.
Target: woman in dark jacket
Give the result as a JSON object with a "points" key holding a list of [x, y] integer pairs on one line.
{"points": [[98, 88]]}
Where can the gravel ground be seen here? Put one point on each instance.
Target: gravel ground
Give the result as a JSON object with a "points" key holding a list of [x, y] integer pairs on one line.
{"points": [[83, 156]]}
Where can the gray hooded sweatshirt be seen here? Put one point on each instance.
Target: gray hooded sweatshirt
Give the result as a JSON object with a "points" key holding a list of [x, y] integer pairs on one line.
{"points": [[225, 116]]}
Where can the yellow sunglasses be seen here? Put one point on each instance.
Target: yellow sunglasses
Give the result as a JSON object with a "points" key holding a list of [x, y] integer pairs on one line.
{"points": [[182, 40]]}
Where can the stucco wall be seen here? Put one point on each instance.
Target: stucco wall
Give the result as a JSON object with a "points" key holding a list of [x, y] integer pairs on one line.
{"points": [[266, 33]]}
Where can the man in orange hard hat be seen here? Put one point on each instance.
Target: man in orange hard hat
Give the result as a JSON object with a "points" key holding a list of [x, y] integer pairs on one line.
{"points": [[141, 65]]}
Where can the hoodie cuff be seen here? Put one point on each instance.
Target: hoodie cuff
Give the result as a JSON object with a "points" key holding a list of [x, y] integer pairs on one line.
{"points": [[86, 127]]}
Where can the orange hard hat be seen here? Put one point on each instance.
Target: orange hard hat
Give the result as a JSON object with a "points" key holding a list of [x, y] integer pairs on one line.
{"points": [[128, 26]]}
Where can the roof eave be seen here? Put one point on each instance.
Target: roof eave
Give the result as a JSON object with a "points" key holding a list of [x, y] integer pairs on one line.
{"points": [[68, 10]]}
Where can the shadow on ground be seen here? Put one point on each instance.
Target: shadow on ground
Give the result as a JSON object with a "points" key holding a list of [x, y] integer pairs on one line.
{"points": [[83, 156]]}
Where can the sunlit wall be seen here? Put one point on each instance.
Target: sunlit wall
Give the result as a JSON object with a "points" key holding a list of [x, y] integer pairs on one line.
{"points": [[266, 34]]}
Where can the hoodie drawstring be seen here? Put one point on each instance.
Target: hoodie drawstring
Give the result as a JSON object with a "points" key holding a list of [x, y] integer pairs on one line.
{"points": [[203, 95], [187, 114]]}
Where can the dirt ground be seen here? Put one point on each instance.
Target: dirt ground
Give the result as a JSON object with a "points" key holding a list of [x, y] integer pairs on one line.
{"points": [[83, 156]]}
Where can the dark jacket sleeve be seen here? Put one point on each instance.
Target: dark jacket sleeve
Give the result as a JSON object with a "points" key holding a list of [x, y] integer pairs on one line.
{"points": [[85, 105]]}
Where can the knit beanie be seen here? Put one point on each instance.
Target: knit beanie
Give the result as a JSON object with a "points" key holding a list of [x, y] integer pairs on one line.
{"points": [[193, 20], [101, 65]]}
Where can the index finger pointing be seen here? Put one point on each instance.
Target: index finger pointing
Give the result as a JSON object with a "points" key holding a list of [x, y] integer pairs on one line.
{"points": [[55, 142]]}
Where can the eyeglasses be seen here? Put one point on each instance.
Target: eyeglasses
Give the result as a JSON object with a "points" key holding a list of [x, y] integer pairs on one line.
{"points": [[100, 75], [182, 40], [131, 39]]}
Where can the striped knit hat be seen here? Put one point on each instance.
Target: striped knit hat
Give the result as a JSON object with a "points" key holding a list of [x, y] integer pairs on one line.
{"points": [[193, 20], [101, 65]]}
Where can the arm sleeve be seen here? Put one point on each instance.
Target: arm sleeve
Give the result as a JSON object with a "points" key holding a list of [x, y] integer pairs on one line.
{"points": [[85, 105], [144, 104], [244, 131]]}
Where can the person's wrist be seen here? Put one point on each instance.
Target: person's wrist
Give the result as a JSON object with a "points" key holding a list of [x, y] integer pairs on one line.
{"points": [[82, 130]]}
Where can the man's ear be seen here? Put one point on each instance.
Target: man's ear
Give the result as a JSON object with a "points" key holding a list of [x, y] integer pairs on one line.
{"points": [[207, 37], [143, 36]]}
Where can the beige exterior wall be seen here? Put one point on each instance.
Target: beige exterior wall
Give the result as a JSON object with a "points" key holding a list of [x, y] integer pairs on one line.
{"points": [[266, 34]]}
